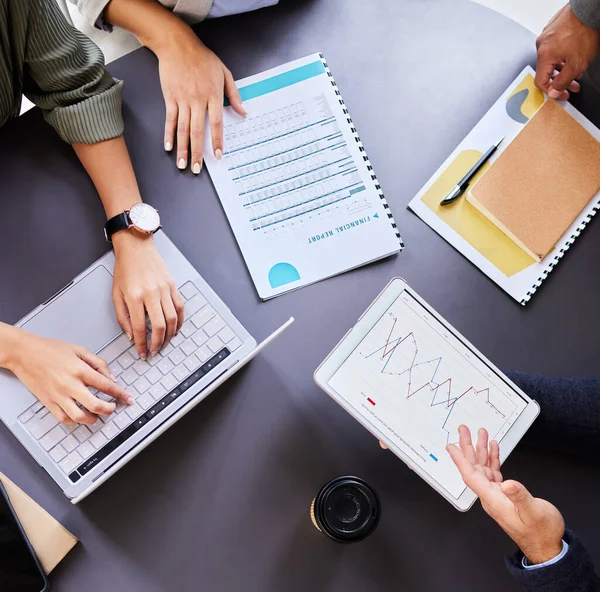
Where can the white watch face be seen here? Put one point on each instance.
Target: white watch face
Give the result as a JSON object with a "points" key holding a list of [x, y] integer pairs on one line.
{"points": [[145, 217]]}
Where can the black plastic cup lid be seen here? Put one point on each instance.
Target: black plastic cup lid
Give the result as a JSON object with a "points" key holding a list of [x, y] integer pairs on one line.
{"points": [[347, 509]]}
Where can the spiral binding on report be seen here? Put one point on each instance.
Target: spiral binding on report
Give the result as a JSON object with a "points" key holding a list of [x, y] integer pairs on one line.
{"points": [[561, 251], [363, 152]]}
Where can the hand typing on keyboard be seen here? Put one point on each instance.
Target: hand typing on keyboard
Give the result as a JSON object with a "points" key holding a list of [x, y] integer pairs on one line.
{"points": [[141, 285], [199, 352], [59, 373]]}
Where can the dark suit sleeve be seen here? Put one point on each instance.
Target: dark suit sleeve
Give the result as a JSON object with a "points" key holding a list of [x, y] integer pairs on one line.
{"points": [[573, 573], [588, 12]]}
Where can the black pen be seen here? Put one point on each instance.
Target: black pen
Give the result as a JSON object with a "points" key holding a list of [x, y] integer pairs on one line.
{"points": [[459, 188]]}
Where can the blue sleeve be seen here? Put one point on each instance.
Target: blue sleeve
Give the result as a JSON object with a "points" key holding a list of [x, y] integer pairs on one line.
{"points": [[573, 573], [570, 407], [564, 551]]}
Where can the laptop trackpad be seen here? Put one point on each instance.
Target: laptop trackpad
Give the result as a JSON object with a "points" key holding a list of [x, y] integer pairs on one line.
{"points": [[83, 314]]}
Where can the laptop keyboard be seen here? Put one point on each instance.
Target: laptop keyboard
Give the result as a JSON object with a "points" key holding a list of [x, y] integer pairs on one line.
{"points": [[203, 342]]}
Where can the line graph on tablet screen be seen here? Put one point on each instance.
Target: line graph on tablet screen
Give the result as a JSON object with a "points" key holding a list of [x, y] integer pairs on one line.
{"points": [[413, 373], [416, 382]]}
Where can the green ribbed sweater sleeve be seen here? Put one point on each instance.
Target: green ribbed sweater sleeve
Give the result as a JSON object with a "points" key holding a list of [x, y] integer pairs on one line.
{"points": [[64, 75]]}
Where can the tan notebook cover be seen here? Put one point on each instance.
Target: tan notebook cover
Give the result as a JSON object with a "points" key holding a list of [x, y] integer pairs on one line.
{"points": [[542, 181], [51, 540]]}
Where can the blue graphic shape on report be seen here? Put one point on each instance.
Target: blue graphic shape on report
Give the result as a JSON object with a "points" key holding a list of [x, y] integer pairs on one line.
{"points": [[282, 274], [416, 383], [295, 181]]}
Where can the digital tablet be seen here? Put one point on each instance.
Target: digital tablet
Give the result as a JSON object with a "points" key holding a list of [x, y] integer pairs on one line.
{"points": [[411, 379]]}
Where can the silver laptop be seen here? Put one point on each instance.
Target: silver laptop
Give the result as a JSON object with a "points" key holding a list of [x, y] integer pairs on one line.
{"points": [[211, 345]]}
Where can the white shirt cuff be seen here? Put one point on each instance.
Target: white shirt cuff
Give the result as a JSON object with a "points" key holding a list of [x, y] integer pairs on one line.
{"points": [[565, 548]]}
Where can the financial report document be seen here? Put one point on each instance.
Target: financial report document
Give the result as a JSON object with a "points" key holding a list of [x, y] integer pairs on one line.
{"points": [[295, 181], [413, 380]]}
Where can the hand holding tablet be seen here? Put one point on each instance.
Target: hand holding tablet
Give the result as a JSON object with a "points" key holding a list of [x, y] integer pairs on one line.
{"points": [[411, 379]]}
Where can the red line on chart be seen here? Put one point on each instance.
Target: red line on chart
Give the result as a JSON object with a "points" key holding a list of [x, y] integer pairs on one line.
{"points": [[385, 352], [389, 348], [449, 401]]}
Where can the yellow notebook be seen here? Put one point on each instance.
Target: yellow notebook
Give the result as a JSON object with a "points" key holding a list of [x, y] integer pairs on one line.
{"points": [[541, 182]]}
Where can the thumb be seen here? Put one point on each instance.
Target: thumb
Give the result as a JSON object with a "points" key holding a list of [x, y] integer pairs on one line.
{"points": [[517, 494], [544, 70]]}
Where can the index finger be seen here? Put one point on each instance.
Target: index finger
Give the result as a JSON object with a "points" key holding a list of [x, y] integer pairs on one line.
{"points": [[215, 117], [137, 316], [96, 362], [92, 403], [108, 387], [158, 324], [544, 69], [233, 94]]}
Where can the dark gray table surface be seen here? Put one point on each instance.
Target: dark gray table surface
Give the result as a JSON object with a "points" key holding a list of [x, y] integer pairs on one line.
{"points": [[220, 503]]}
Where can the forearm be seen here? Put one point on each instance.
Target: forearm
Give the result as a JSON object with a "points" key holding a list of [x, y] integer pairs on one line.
{"points": [[8, 345], [155, 26], [109, 166]]}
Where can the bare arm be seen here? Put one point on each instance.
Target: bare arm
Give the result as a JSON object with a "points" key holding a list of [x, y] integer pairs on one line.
{"points": [[109, 166], [193, 79], [7, 345], [141, 282], [59, 373], [154, 25]]}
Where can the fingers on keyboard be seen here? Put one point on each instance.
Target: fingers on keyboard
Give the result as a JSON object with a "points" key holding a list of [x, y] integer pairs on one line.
{"points": [[76, 413], [159, 327], [137, 315], [110, 388], [178, 302], [107, 414]]}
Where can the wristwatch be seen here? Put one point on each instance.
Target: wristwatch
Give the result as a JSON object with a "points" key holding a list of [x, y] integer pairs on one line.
{"points": [[140, 216]]}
